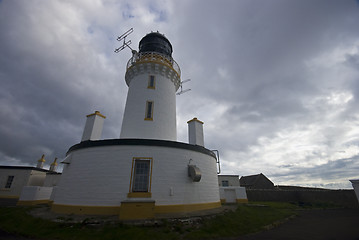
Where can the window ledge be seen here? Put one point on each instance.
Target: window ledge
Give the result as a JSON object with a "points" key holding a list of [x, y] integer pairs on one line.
{"points": [[139, 195]]}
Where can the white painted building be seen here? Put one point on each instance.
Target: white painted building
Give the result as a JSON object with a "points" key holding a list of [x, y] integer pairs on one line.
{"points": [[145, 172], [13, 179], [230, 190], [228, 180]]}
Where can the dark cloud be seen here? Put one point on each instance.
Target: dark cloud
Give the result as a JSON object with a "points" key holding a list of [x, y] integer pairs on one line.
{"points": [[276, 82]]}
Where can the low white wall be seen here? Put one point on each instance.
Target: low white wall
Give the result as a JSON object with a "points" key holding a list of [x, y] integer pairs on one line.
{"points": [[32, 193], [52, 197], [355, 184], [232, 194], [52, 180]]}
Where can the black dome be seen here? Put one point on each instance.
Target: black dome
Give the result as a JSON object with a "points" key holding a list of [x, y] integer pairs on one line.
{"points": [[155, 42]]}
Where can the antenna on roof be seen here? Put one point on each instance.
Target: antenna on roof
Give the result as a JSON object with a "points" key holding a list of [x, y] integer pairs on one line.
{"points": [[124, 44], [183, 91]]}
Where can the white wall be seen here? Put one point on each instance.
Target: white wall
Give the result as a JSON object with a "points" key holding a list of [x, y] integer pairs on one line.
{"points": [[36, 178], [21, 177], [100, 176], [52, 180], [232, 194], [355, 184], [163, 125], [233, 180], [33, 193]]}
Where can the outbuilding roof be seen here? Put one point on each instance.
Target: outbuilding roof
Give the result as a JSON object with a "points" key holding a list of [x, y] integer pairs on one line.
{"points": [[251, 179], [26, 168]]}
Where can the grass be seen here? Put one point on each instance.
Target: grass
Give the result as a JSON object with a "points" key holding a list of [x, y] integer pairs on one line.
{"points": [[247, 218]]}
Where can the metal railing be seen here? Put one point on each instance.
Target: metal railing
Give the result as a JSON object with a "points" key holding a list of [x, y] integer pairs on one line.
{"points": [[154, 57]]}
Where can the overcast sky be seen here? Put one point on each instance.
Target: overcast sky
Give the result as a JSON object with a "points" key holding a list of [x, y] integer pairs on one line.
{"points": [[276, 82]]}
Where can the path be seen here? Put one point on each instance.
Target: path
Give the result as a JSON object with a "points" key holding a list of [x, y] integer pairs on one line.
{"points": [[341, 224]]}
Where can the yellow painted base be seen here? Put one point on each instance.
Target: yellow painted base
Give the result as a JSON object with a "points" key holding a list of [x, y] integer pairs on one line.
{"points": [[9, 197], [32, 203], [133, 210], [137, 210], [85, 210], [139, 195], [242, 200], [223, 201], [186, 207]]}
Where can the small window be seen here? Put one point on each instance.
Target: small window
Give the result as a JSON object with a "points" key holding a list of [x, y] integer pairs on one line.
{"points": [[225, 183], [141, 176], [149, 110], [9, 181], [151, 82]]}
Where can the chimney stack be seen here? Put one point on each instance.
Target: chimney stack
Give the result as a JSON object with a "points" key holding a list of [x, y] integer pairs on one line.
{"points": [[53, 165], [195, 132], [40, 162], [93, 127]]}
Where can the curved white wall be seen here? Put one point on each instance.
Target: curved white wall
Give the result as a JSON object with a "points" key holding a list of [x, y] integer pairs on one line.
{"points": [[100, 176]]}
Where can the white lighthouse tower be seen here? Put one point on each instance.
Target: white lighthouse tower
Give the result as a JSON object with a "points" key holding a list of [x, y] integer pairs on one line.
{"points": [[153, 78], [145, 173]]}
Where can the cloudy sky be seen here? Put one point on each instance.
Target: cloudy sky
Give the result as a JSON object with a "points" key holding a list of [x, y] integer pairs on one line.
{"points": [[275, 81]]}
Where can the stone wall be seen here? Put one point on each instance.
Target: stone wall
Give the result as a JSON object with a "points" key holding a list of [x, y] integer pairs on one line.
{"points": [[344, 198]]}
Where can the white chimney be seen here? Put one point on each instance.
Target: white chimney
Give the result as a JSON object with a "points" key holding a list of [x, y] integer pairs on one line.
{"points": [[40, 162], [53, 165], [195, 132], [93, 127]]}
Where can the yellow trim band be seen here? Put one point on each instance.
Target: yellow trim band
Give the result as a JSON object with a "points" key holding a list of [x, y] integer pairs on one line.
{"points": [[8, 196], [139, 195], [133, 210], [96, 113], [195, 119], [85, 210], [33, 202], [242, 200], [158, 62], [186, 207]]}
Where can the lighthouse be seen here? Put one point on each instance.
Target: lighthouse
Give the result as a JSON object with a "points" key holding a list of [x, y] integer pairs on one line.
{"points": [[146, 172], [152, 77]]}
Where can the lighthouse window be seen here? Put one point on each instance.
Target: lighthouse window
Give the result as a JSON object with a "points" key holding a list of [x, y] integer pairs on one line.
{"points": [[9, 181], [151, 82], [149, 110], [141, 175]]}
